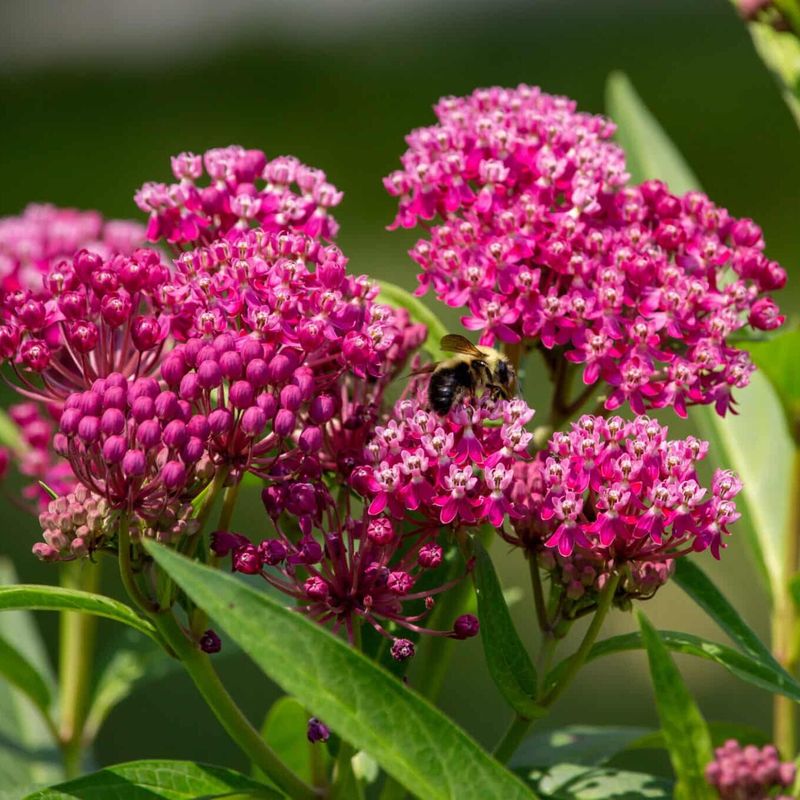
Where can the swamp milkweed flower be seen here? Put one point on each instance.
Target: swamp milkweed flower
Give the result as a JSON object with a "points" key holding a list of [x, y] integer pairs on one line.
{"points": [[532, 229]]}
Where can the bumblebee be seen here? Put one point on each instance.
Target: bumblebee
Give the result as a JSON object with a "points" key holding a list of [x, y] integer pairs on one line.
{"points": [[473, 370]]}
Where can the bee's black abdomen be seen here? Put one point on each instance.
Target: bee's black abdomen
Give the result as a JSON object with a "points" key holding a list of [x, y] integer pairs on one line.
{"points": [[446, 384]]}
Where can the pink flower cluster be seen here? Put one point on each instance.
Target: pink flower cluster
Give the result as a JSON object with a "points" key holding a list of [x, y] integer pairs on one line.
{"points": [[34, 241], [365, 570], [73, 526], [135, 445], [452, 470], [538, 240], [284, 352], [245, 189], [749, 773], [623, 491], [92, 317]]}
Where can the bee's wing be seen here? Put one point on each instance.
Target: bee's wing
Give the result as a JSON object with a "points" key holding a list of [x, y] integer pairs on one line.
{"points": [[453, 343], [425, 369]]}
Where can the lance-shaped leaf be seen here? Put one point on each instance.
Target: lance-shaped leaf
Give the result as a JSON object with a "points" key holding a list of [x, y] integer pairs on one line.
{"points": [[702, 590], [28, 755], [397, 296], [54, 598], [508, 661], [159, 780], [685, 731], [19, 672], [764, 463], [413, 741], [742, 665]]}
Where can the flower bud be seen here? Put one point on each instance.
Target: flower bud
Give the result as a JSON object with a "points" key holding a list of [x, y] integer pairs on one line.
{"points": [[402, 649], [145, 333], [430, 556], [210, 642], [173, 474], [134, 464], [316, 588], [317, 731], [284, 422], [253, 421], [466, 626]]}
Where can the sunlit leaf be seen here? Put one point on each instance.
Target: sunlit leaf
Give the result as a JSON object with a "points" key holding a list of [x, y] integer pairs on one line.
{"points": [[159, 780], [508, 661], [777, 359], [578, 782], [414, 742], [18, 671], [684, 729], [649, 152]]}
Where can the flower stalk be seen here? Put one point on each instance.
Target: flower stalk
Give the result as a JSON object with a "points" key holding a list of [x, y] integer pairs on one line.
{"points": [[76, 655]]}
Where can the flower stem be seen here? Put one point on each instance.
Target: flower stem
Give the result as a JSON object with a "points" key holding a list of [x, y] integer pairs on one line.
{"points": [[578, 659], [511, 739], [785, 625], [76, 655], [126, 568], [521, 725], [230, 716]]}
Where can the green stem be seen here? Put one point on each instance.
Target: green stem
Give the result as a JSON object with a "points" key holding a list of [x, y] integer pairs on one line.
{"points": [[230, 716], [511, 739], [346, 786], [785, 625], [76, 656], [538, 594], [226, 514], [520, 725], [578, 659], [126, 569]]}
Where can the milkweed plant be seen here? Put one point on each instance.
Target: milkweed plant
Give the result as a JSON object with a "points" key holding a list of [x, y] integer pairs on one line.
{"points": [[224, 352]]}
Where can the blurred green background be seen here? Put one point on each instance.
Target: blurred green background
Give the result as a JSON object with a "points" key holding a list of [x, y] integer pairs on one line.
{"points": [[96, 96]]}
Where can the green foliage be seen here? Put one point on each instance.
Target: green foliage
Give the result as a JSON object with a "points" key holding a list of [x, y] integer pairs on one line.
{"points": [[648, 150], [28, 757], [19, 672], [720, 733], [777, 359], [284, 730], [702, 590], [54, 598], [508, 661], [755, 671], [159, 780], [414, 742], [397, 296], [577, 782], [684, 729]]}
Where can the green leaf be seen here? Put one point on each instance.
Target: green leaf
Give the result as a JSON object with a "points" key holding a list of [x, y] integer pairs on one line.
{"points": [[700, 588], [508, 662], [165, 780], [648, 150], [587, 745], [739, 664], [685, 731], [765, 465], [413, 741], [18, 671], [28, 756], [284, 730], [578, 782], [780, 51], [54, 598], [397, 296], [777, 359]]}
